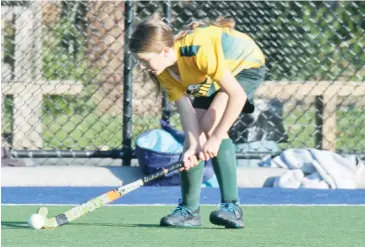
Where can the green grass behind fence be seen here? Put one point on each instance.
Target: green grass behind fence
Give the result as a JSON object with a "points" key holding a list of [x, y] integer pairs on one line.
{"points": [[93, 131]]}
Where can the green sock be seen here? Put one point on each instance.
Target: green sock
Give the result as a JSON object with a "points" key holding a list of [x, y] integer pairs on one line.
{"points": [[191, 181], [225, 169]]}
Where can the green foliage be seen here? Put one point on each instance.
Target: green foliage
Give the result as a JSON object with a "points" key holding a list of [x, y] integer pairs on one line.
{"points": [[65, 58], [6, 126], [339, 40], [9, 45]]}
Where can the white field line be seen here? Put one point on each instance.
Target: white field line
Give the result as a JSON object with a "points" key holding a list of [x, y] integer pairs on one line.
{"points": [[158, 205]]}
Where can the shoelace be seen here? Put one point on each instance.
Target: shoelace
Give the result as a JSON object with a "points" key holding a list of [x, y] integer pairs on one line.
{"points": [[181, 209], [227, 206], [230, 207]]}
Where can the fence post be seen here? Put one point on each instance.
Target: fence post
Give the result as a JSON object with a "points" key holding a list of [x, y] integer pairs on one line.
{"points": [[127, 85], [319, 122], [167, 20]]}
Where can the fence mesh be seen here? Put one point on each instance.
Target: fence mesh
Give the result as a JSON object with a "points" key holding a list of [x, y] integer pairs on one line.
{"points": [[62, 73]]}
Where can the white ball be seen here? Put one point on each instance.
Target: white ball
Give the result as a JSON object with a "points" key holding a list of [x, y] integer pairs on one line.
{"points": [[36, 221]]}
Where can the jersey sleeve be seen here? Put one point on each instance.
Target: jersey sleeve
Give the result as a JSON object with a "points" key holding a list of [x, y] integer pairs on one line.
{"points": [[210, 60], [173, 90]]}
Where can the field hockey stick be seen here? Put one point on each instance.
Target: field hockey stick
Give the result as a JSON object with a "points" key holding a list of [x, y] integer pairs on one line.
{"points": [[98, 202]]}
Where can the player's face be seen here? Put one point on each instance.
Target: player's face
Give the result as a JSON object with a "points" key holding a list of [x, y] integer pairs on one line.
{"points": [[155, 62]]}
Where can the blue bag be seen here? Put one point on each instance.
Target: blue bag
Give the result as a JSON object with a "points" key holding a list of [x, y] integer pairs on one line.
{"points": [[159, 148]]}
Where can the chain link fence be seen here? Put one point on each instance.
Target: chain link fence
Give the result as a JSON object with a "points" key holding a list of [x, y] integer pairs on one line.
{"points": [[70, 87]]}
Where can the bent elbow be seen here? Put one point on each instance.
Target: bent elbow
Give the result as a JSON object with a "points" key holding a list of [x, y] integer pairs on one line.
{"points": [[239, 97]]}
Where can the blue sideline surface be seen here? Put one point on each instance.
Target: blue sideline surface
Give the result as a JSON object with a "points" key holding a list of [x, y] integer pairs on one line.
{"points": [[170, 195]]}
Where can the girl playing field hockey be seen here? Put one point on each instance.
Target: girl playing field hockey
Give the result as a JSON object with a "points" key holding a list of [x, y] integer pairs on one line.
{"points": [[221, 69]]}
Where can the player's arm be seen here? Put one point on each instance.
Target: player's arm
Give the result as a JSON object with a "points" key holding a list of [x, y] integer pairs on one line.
{"points": [[176, 93], [210, 60], [189, 122], [236, 100]]}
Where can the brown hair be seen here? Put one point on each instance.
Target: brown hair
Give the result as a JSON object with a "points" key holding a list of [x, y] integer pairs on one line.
{"points": [[153, 35], [219, 22]]}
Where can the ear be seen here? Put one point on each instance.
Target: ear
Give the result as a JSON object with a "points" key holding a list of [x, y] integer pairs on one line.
{"points": [[166, 51]]}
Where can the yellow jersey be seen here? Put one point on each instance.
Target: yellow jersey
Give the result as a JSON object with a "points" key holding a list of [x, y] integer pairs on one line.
{"points": [[203, 55]]}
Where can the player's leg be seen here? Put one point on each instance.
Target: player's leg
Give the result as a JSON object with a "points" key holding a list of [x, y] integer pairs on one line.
{"points": [[192, 179], [224, 165], [187, 213], [230, 214]]}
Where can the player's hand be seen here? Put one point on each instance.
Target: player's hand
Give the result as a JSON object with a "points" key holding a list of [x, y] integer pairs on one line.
{"points": [[210, 148], [189, 158]]}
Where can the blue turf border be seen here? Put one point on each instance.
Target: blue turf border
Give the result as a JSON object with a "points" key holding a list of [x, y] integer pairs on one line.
{"points": [[170, 195]]}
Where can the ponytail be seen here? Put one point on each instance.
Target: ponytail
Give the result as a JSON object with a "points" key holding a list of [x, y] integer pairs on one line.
{"points": [[219, 22], [224, 22]]}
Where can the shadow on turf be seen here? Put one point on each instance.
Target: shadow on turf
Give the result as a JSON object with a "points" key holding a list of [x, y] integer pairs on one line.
{"points": [[14, 225], [140, 225]]}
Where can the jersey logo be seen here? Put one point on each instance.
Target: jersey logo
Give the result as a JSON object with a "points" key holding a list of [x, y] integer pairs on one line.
{"points": [[204, 89], [194, 89], [189, 51]]}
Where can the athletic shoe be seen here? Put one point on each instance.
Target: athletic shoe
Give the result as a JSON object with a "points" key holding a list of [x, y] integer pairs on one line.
{"points": [[229, 215], [181, 216]]}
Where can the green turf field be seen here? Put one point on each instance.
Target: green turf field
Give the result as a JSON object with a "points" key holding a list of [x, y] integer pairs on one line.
{"points": [[138, 226]]}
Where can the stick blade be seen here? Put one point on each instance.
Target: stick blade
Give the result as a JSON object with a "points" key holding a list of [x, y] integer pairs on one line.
{"points": [[48, 223], [43, 211]]}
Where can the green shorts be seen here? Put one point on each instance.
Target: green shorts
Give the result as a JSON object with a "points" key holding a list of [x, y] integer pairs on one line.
{"points": [[249, 79]]}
